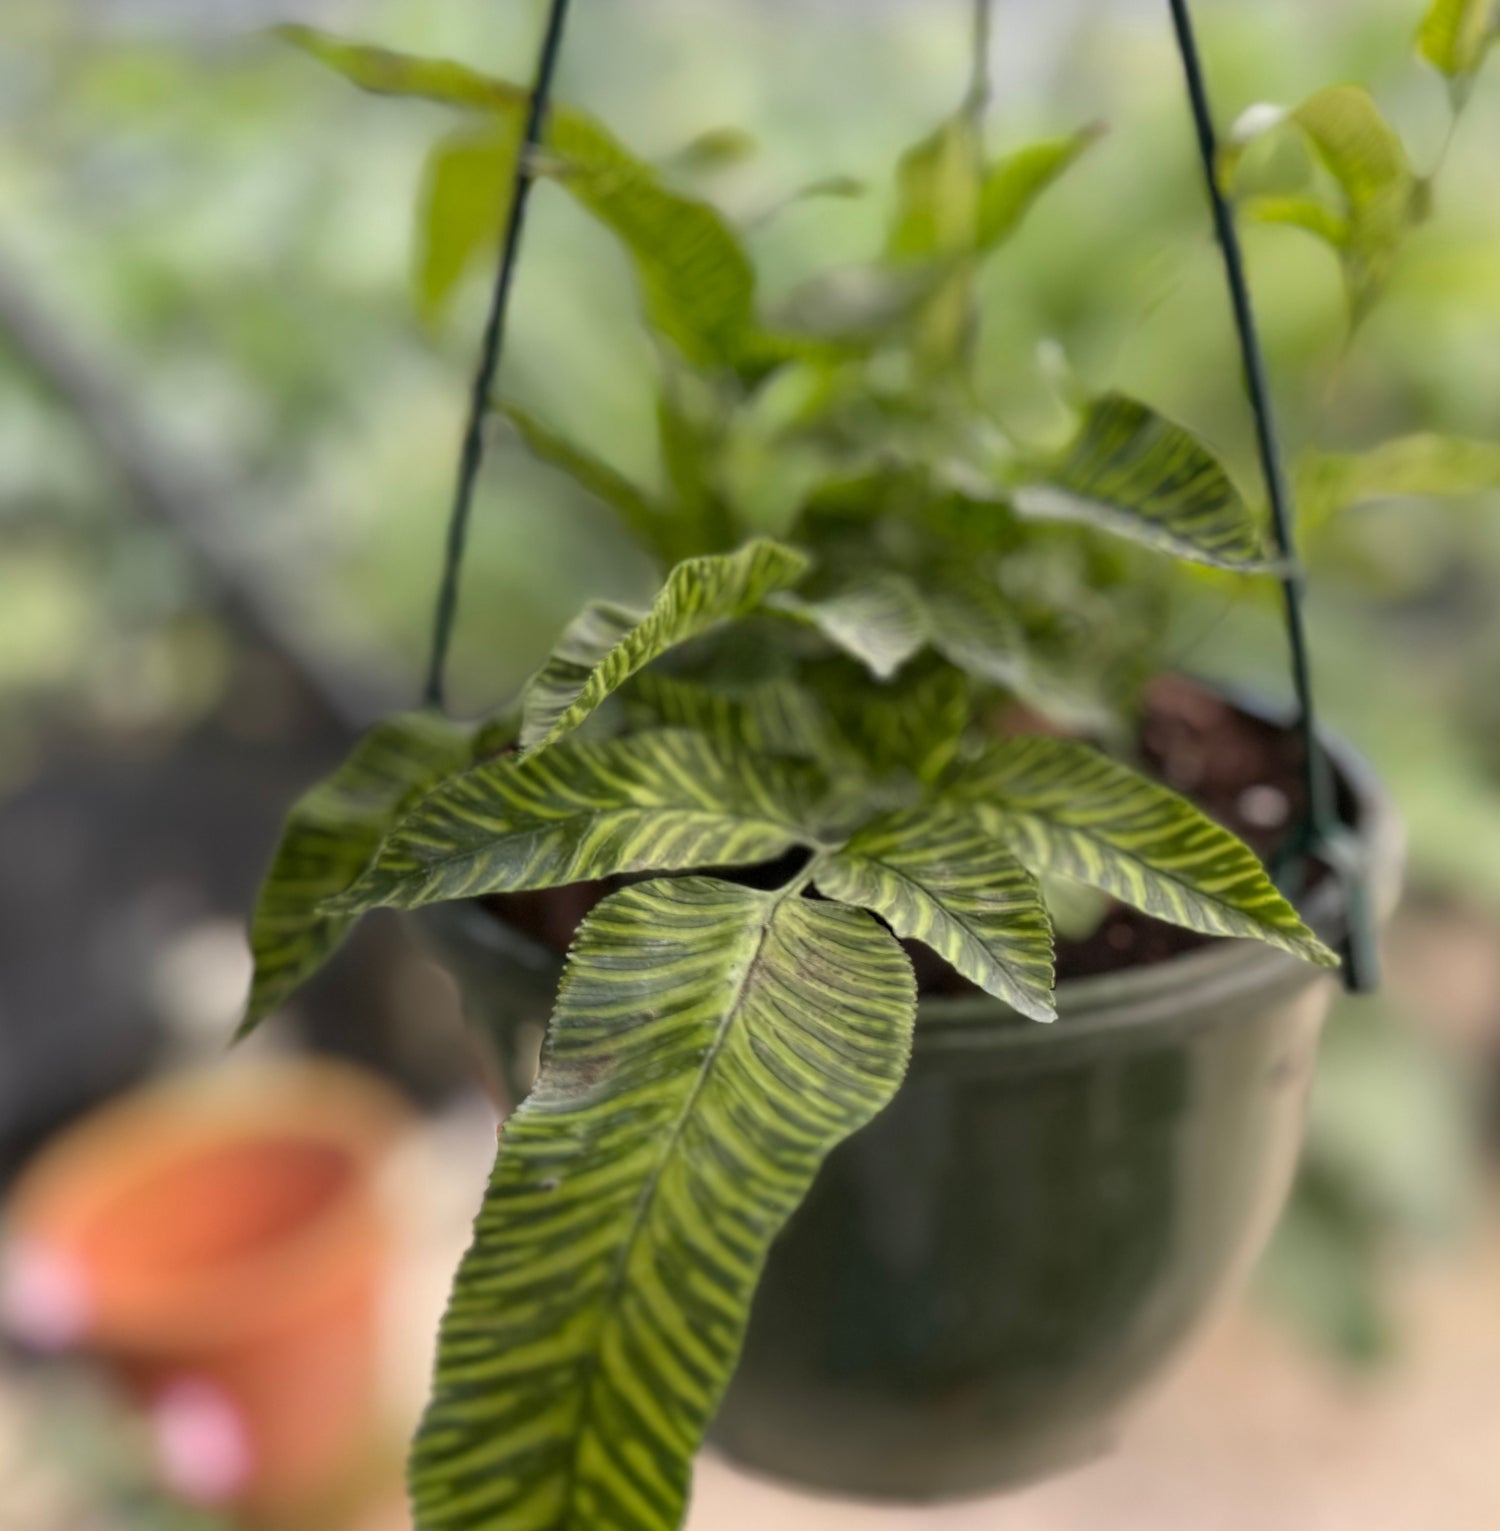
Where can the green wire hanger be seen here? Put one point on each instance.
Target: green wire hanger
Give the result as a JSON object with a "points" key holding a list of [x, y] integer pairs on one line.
{"points": [[472, 453], [1322, 836]]}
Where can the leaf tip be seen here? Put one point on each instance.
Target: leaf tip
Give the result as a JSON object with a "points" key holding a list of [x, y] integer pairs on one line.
{"points": [[1318, 952], [260, 1004]]}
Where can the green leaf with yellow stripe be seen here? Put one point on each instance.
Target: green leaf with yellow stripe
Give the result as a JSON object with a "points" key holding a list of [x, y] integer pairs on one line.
{"points": [[331, 835], [773, 717], [1065, 809], [609, 644], [934, 874], [1132, 472], [711, 1044], [667, 801], [913, 724]]}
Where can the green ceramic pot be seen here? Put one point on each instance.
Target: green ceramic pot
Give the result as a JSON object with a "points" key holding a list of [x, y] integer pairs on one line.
{"points": [[986, 1279]]}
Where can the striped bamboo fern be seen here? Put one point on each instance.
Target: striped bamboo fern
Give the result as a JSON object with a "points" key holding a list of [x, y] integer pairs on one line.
{"points": [[798, 755]]}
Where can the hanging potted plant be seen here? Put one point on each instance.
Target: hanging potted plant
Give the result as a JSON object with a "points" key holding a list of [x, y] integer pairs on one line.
{"points": [[796, 856]]}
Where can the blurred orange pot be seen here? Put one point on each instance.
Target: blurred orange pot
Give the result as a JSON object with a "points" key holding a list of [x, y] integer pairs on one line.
{"points": [[219, 1241]]}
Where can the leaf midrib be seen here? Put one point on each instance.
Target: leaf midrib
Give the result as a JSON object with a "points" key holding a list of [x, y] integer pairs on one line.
{"points": [[647, 1197], [1174, 878], [676, 812], [951, 913]]}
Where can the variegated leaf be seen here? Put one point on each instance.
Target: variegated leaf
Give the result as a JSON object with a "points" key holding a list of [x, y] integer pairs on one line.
{"points": [[935, 875], [770, 718], [1132, 472], [331, 835], [600, 652], [875, 617], [581, 812], [711, 1044], [1065, 808], [914, 723]]}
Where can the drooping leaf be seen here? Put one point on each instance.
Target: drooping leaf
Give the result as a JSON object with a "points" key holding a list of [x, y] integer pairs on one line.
{"points": [[1135, 473], [1416, 466], [875, 617], [586, 642], [1013, 183], [1360, 148], [464, 202], [331, 835], [1456, 36], [697, 282], [607, 645], [770, 718], [711, 1044], [639, 512], [581, 812], [1382, 197], [934, 875], [1064, 808]]}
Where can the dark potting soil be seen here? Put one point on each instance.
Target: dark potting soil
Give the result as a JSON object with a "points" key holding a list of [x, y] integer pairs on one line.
{"points": [[1242, 771]]}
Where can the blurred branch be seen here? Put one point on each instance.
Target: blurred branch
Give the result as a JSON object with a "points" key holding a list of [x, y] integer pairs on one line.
{"points": [[201, 507]]}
